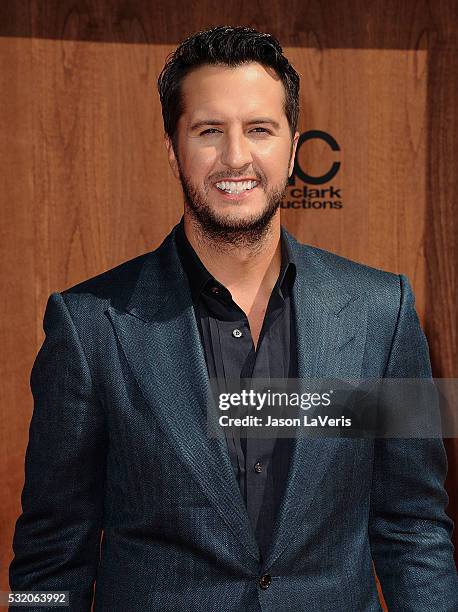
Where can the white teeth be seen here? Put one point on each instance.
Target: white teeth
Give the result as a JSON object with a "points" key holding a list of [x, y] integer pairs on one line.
{"points": [[236, 186]]}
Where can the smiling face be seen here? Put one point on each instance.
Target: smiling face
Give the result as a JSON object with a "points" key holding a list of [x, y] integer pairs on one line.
{"points": [[234, 149]]}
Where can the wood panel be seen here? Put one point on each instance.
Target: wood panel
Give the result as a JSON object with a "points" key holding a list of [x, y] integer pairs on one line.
{"points": [[441, 237], [18, 285], [331, 24], [373, 102]]}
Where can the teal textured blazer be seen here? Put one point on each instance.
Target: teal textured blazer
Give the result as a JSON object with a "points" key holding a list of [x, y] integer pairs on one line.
{"points": [[118, 447]]}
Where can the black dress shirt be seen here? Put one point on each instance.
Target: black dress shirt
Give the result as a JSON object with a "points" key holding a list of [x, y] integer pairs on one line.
{"points": [[260, 465]]}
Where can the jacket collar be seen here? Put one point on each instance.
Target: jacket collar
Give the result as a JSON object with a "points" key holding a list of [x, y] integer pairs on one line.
{"points": [[199, 277]]}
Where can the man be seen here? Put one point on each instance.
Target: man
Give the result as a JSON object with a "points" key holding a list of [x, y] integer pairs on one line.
{"points": [[118, 439]]}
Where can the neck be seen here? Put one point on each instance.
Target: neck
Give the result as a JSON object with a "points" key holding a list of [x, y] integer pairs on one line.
{"points": [[249, 270]]}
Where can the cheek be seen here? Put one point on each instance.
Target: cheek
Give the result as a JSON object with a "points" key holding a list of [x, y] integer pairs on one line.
{"points": [[200, 161], [273, 159]]}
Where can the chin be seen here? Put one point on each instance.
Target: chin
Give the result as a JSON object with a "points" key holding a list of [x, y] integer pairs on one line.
{"points": [[243, 214], [239, 209]]}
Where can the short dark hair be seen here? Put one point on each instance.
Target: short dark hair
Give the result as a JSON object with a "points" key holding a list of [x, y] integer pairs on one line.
{"points": [[230, 46]]}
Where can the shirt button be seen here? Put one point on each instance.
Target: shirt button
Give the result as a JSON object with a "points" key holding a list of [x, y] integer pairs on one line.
{"points": [[265, 581], [258, 467], [215, 290], [237, 333]]}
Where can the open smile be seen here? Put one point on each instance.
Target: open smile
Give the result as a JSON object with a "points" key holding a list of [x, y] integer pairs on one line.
{"points": [[236, 190]]}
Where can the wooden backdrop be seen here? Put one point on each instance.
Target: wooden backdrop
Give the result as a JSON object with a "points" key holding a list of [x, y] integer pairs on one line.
{"points": [[85, 182]]}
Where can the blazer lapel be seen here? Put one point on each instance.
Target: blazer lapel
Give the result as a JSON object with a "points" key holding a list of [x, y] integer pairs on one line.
{"points": [[160, 339], [331, 335]]}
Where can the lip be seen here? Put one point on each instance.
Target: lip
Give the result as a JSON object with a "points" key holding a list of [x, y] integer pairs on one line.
{"points": [[237, 180], [236, 196]]}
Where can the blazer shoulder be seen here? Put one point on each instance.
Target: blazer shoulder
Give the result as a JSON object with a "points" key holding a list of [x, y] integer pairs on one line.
{"points": [[383, 292], [356, 276], [111, 286], [114, 286]]}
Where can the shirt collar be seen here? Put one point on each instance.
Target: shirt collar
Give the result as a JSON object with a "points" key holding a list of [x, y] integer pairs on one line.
{"points": [[200, 278]]}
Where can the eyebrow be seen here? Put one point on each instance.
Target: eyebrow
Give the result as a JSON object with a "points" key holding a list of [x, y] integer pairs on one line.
{"points": [[257, 121]]}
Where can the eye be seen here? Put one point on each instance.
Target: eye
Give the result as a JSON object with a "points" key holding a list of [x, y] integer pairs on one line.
{"points": [[259, 131], [209, 131]]}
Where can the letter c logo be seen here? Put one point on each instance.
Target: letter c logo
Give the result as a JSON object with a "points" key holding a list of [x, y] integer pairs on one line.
{"points": [[306, 178]]}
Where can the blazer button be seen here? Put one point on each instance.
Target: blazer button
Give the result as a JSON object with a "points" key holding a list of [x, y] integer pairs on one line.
{"points": [[258, 467], [264, 581]]}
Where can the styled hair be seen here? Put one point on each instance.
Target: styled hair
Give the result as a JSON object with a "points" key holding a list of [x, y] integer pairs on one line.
{"points": [[230, 46]]}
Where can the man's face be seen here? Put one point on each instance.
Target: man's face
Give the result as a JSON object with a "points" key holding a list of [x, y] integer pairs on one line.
{"points": [[234, 149]]}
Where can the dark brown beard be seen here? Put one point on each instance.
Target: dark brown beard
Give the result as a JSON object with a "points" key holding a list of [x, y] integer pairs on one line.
{"points": [[240, 233]]}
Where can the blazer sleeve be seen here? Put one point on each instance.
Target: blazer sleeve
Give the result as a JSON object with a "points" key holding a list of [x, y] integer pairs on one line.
{"points": [[409, 530], [57, 536]]}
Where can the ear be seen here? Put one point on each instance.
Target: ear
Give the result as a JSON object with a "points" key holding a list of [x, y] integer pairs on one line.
{"points": [[293, 153], [171, 156]]}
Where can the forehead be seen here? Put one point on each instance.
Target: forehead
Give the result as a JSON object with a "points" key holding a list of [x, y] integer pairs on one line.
{"points": [[247, 89]]}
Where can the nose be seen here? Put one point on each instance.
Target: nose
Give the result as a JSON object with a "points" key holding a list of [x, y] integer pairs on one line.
{"points": [[236, 151]]}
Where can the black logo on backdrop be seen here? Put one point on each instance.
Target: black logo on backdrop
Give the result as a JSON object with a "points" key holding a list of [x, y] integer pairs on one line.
{"points": [[317, 198]]}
